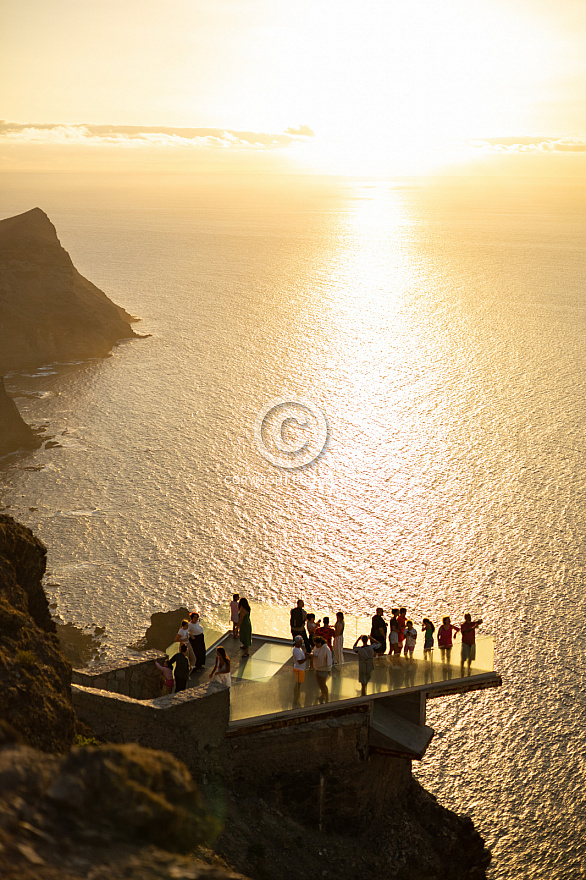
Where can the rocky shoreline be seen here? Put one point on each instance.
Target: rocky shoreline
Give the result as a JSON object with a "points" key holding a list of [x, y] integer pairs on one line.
{"points": [[70, 805]]}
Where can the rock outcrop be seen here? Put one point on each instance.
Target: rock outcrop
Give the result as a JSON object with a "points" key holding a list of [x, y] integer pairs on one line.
{"points": [[48, 311], [111, 812], [35, 677], [14, 432]]}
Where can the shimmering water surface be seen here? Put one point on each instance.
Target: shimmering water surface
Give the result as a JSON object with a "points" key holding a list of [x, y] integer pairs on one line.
{"points": [[441, 332]]}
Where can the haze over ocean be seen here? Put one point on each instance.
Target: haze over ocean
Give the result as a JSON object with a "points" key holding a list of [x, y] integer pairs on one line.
{"points": [[441, 331]]}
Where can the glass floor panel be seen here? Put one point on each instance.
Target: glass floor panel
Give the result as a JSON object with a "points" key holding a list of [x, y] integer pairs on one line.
{"points": [[263, 691], [274, 653]]}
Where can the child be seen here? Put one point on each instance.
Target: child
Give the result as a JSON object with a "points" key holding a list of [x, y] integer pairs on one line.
{"points": [[311, 628], [428, 628], [234, 614], [183, 638], [167, 671], [410, 639]]}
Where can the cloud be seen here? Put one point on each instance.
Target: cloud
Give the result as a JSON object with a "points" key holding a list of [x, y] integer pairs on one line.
{"points": [[136, 136], [301, 130], [531, 145]]}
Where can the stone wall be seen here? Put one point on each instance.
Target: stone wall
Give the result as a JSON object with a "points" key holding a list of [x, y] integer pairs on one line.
{"points": [[321, 771], [135, 677], [190, 725]]}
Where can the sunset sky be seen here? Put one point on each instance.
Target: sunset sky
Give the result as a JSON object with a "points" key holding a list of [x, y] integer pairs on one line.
{"points": [[367, 87]]}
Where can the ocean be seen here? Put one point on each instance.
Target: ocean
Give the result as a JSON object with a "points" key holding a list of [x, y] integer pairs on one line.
{"points": [[438, 333]]}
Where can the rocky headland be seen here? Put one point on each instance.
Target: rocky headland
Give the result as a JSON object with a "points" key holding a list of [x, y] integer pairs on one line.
{"points": [[71, 808], [48, 312]]}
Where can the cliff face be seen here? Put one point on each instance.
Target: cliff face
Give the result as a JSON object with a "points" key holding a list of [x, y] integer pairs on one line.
{"points": [[48, 311], [14, 432], [35, 677], [115, 812]]}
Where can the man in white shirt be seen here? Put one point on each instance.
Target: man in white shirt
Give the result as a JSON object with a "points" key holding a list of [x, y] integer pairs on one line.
{"points": [[322, 665], [299, 663]]}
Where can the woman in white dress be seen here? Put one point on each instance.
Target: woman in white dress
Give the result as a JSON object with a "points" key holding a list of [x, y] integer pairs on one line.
{"points": [[221, 670], [339, 639]]}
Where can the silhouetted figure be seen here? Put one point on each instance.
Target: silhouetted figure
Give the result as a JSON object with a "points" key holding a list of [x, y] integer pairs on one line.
{"points": [[322, 666], [244, 626], [326, 632], [197, 640], [410, 639], [181, 663], [234, 614], [444, 639], [428, 629], [378, 631], [298, 617], [468, 633], [366, 655], [338, 650], [300, 658]]}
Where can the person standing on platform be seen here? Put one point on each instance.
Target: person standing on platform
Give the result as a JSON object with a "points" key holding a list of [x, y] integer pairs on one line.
{"points": [[234, 614], [468, 633], [244, 626], [299, 664], [410, 639], [183, 638], [298, 617], [197, 640], [378, 632], [326, 632], [322, 666], [444, 638], [394, 648], [402, 621], [311, 628], [339, 639], [428, 628], [181, 663], [366, 654]]}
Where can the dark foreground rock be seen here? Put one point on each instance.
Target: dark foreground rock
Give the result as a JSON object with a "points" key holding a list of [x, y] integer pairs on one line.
{"points": [[416, 839], [107, 813], [48, 311], [35, 677]]}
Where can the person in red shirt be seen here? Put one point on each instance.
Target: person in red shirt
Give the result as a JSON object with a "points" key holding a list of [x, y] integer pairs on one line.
{"points": [[444, 638], [468, 633], [326, 632], [402, 621]]}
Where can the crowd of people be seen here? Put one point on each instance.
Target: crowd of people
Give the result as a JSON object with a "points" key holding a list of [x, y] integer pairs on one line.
{"points": [[191, 655], [319, 645]]}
